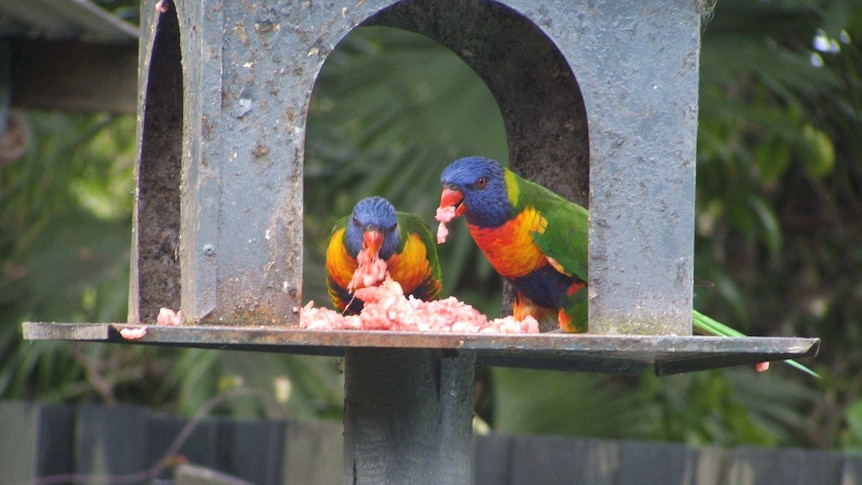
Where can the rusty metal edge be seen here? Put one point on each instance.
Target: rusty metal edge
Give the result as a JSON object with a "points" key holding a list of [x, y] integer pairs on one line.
{"points": [[591, 353], [717, 361], [550, 343], [52, 331]]}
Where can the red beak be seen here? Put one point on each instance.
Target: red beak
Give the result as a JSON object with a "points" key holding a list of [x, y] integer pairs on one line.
{"points": [[453, 198], [373, 241]]}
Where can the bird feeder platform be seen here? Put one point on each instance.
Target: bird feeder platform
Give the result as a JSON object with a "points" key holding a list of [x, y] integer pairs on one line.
{"points": [[599, 101], [619, 354]]}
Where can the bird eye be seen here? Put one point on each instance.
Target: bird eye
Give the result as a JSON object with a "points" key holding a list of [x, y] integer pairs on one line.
{"points": [[482, 182], [356, 221]]}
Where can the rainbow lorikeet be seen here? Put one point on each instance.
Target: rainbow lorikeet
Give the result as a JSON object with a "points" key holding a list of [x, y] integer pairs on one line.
{"points": [[535, 239], [376, 232]]}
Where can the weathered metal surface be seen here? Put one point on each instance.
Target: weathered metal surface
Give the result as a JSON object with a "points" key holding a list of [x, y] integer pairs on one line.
{"points": [[595, 353], [247, 69], [572, 88], [96, 332], [640, 84], [422, 436], [155, 268]]}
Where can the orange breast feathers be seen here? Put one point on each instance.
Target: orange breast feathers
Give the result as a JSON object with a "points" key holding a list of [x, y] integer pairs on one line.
{"points": [[510, 248], [410, 267], [340, 266]]}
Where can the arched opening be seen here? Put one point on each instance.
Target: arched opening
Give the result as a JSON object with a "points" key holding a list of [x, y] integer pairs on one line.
{"points": [[390, 109], [509, 71], [155, 280]]}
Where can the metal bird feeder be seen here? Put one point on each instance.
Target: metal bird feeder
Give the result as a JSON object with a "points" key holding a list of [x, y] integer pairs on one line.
{"points": [[599, 101]]}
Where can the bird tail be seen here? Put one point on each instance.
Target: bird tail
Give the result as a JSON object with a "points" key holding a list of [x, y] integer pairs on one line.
{"points": [[713, 327]]}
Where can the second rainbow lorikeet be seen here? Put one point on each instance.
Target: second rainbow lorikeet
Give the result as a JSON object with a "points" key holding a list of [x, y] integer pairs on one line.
{"points": [[375, 232], [533, 238]]}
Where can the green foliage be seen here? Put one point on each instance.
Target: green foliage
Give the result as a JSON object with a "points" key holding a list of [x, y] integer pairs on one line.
{"points": [[719, 408], [776, 158], [59, 259], [64, 251], [852, 437], [726, 408], [127, 10], [778, 185], [554, 402]]}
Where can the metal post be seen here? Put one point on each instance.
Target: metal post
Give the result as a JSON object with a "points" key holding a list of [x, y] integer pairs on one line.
{"points": [[643, 132], [407, 416]]}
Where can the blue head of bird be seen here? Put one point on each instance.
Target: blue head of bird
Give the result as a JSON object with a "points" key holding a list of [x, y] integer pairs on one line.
{"points": [[373, 225], [476, 188]]}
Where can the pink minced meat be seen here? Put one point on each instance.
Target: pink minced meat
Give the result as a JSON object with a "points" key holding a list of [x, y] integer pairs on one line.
{"points": [[166, 317], [133, 333], [371, 271], [169, 317], [444, 215], [386, 308]]}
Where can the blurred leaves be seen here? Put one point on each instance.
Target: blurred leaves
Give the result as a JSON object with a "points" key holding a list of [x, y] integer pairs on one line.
{"points": [[852, 438], [64, 256], [728, 408], [779, 189], [554, 402], [820, 159], [65, 224], [719, 408]]}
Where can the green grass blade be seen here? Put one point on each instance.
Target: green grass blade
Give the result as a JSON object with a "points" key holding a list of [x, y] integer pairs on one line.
{"points": [[713, 327]]}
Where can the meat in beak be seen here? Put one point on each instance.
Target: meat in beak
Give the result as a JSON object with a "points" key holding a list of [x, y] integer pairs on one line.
{"points": [[372, 239], [453, 198]]}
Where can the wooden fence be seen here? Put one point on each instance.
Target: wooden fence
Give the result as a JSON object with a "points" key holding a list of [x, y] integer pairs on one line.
{"points": [[39, 440]]}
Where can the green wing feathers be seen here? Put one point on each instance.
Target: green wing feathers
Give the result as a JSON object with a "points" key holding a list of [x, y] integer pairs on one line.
{"points": [[565, 239], [413, 224], [420, 277]]}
